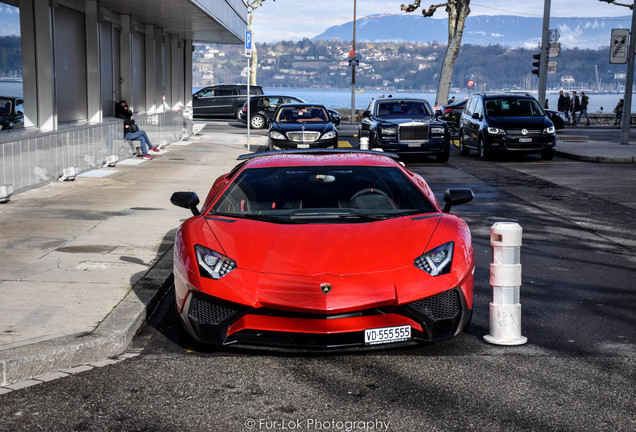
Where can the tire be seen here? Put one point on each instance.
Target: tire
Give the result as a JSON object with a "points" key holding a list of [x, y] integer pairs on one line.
{"points": [[444, 156], [483, 153], [237, 113], [257, 122], [462, 148], [548, 154]]}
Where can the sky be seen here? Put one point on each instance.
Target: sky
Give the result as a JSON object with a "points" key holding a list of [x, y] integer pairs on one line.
{"points": [[277, 20]]}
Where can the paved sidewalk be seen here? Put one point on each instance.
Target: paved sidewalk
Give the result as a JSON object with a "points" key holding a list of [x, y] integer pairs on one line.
{"points": [[579, 144], [83, 262]]}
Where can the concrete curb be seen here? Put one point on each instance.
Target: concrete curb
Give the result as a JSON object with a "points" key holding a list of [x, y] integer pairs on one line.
{"points": [[111, 338], [598, 159]]}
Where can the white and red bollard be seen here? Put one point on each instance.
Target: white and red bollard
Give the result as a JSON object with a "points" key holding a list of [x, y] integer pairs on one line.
{"points": [[505, 278]]}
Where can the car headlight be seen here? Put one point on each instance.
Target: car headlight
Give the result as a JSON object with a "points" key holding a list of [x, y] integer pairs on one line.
{"points": [[436, 261], [549, 130], [276, 135], [212, 264], [495, 131], [389, 131], [329, 135], [437, 130]]}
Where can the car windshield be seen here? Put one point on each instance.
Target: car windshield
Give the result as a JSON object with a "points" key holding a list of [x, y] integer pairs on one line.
{"points": [[302, 114], [322, 194], [513, 107], [401, 109], [5, 107]]}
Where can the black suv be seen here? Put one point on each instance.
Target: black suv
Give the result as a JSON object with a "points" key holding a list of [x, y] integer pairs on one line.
{"points": [[222, 100], [498, 123]]}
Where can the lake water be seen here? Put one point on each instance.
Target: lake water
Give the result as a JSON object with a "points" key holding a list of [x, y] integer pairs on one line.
{"points": [[341, 98]]}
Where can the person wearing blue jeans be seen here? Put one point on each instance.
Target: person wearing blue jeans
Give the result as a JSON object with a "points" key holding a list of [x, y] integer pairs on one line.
{"points": [[132, 132], [584, 102]]}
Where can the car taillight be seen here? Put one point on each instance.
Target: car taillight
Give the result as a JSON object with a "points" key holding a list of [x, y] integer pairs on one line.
{"points": [[244, 107]]}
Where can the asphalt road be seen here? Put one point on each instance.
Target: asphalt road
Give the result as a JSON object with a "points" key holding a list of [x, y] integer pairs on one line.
{"points": [[577, 372]]}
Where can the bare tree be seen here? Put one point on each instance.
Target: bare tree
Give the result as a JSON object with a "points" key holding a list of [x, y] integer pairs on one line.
{"points": [[457, 11], [252, 5]]}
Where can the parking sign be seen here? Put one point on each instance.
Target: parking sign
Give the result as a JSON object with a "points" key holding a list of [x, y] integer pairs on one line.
{"points": [[248, 42]]}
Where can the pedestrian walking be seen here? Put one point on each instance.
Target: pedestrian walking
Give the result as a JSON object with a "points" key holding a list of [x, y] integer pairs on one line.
{"points": [[561, 102], [618, 111], [567, 105], [576, 106], [132, 131], [584, 102]]}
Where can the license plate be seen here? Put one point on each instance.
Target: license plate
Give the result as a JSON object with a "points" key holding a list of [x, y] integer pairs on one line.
{"points": [[303, 145], [414, 144], [387, 335], [525, 139]]}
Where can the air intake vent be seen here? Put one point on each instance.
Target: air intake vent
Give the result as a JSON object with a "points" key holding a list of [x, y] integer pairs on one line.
{"points": [[441, 306]]}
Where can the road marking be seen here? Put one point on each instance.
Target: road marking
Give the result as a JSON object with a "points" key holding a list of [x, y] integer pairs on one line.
{"points": [[344, 144]]}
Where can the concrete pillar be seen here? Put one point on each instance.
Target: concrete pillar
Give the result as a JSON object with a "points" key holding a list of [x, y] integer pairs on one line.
{"points": [[151, 64], [29, 70], [187, 77], [175, 102], [159, 68], [41, 33], [125, 60], [93, 96]]}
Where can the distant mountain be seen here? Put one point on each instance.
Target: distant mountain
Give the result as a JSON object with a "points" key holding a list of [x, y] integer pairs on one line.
{"points": [[506, 30], [9, 20]]}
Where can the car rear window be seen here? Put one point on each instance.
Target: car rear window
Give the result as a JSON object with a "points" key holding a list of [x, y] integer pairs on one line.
{"points": [[312, 194]]}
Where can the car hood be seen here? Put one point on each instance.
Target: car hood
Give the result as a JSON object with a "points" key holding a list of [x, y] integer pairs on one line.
{"points": [[311, 249], [308, 127], [519, 122]]}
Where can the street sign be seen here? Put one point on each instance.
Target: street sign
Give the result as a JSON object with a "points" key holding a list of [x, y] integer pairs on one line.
{"points": [[352, 53], [354, 62], [470, 83], [554, 49], [619, 51], [552, 66], [554, 36], [248, 43]]}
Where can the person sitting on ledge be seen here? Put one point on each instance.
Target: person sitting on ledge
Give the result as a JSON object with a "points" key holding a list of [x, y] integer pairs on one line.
{"points": [[132, 131]]}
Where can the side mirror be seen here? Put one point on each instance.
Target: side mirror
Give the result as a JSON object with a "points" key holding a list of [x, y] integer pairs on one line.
{"points": [[19, 113], [476, 116], [335, 121], [438, 113], [188, 200], [366, 114], [453, 197]]}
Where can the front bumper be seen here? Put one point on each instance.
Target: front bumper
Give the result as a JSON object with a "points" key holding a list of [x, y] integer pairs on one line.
{"points": [[217, 322], [286, 145], [420, 147], [516, 144]]}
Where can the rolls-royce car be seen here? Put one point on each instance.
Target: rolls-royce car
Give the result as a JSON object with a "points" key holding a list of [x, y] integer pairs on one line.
{"points": [[322, 250], [405, 126]]}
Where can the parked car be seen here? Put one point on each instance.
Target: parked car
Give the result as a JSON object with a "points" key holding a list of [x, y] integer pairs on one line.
{"points": [[222, 100], [303, 126], [451, 114], [322, 250], [11, 112], [262, 109], [499, 123], [405, 126], [557, 118]]}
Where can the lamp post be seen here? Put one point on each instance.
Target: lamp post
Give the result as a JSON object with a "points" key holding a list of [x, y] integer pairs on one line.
{"points": [[353, 68], [629, 83]]}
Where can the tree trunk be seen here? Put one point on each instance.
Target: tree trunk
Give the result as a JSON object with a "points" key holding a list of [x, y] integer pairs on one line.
{"points": [[253, 64], [457, 13]]}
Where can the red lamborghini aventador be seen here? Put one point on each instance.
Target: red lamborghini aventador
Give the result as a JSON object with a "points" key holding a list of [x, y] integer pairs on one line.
{"points": [[320, 250]]}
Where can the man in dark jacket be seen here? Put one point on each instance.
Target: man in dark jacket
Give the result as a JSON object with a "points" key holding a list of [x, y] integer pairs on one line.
{"points": [[576, 106], [132, 132], [561, 102], [584, 102]]}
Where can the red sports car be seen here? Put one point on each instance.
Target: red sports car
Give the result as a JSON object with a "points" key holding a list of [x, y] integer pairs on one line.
{"points": [[321, 250]]}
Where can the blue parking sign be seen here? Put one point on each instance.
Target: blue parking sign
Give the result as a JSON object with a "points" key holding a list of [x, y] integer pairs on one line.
{"points": [[248, 41]]}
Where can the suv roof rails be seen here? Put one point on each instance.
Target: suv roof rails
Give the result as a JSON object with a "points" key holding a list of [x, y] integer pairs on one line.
{"points": [[317, 152]]}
